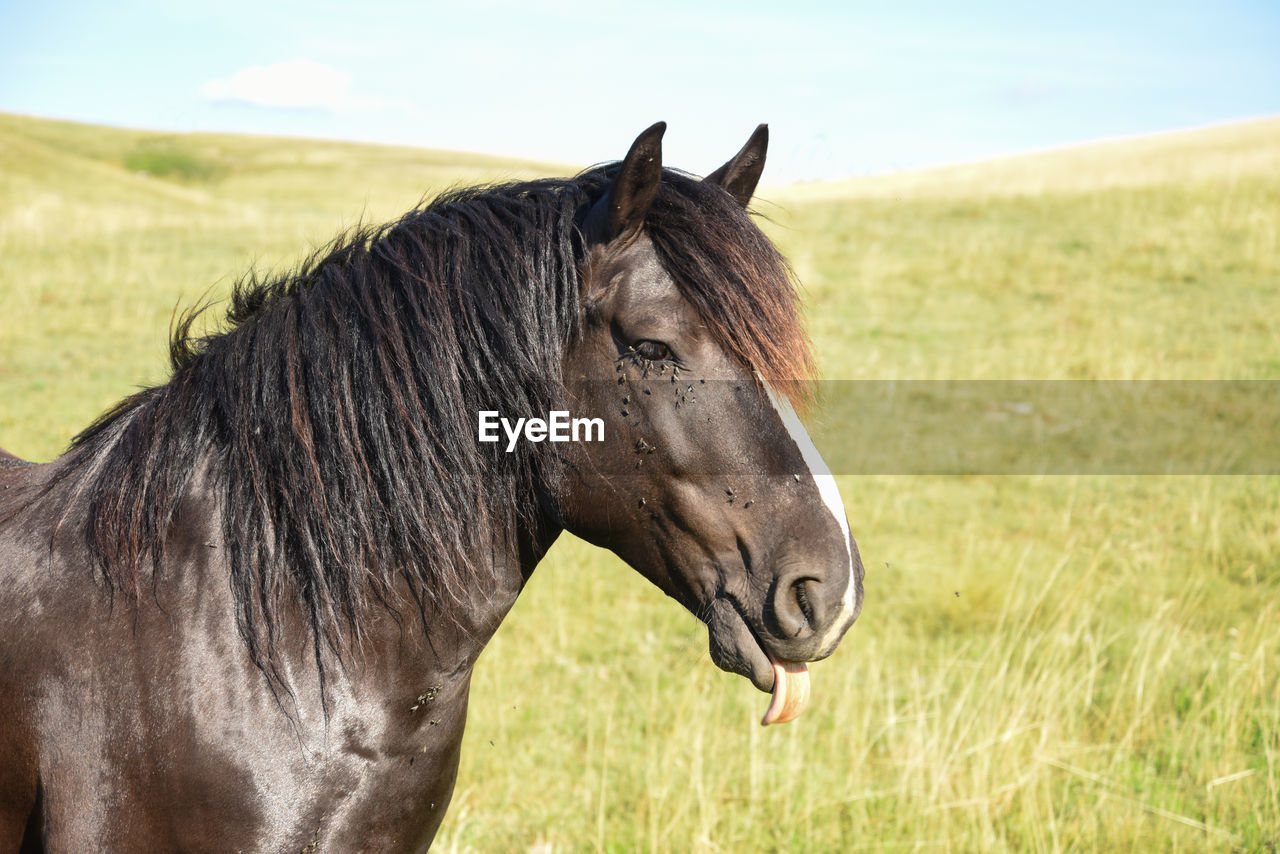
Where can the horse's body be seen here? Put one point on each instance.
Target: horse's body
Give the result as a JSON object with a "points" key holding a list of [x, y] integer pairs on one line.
{"points": [[242, 612], [145, 726]]}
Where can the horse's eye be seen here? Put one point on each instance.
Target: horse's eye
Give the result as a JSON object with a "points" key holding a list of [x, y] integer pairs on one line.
{"points": [[654, 351]]}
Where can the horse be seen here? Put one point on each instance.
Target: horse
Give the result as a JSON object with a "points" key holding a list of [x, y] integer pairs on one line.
{"points": [[241, 612]]}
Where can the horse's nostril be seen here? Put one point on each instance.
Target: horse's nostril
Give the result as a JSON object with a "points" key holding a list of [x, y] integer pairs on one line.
{"points": [[803, 600], [797, 608]]}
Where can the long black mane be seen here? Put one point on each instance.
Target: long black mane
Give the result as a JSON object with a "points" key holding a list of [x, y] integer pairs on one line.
{"points": [[335, 414]]}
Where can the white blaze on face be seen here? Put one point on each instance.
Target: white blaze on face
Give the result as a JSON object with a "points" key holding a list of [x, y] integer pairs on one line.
{"points": [[830, 493]]}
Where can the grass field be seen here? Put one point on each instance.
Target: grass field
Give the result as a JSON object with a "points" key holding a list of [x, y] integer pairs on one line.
{"points": [[1043, 663]]}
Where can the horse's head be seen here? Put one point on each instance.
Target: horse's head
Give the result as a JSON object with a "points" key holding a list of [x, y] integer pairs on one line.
{"points": [[706, 481]]}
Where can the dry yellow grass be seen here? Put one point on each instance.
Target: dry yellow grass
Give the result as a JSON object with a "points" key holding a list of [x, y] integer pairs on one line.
{"points": [[1044, 663]]}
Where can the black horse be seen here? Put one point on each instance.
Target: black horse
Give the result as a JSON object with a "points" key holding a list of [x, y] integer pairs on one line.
{"points": [[241, 612]]}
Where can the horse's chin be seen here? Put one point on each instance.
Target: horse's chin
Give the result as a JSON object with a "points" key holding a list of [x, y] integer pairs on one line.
{"points": [[734, 647]]}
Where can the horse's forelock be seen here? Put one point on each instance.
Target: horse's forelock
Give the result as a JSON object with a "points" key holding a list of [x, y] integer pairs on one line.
{"points": [[735, 277]]}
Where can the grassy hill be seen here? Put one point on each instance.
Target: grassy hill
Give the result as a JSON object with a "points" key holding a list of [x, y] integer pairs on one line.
{"points": [[105, 231], [1153, 258], [1044, 663]]}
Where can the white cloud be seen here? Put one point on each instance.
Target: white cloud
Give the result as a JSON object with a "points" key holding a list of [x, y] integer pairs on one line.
{"points": [[298, 84]]}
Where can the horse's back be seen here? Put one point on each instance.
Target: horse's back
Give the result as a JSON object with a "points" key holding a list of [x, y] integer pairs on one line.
{"points": [[9, 460]]}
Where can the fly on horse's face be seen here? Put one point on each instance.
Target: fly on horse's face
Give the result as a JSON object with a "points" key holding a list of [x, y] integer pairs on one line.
{"points": [[707, 483]]}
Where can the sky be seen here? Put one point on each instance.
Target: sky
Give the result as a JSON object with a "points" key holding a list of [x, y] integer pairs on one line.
{"points": [[848, 88]]}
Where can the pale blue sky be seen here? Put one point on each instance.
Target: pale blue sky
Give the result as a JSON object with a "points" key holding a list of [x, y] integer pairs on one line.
{"points": [[848, 88]]}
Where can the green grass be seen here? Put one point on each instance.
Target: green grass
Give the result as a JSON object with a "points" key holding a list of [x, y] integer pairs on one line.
{"points": [[1043, 663], [163, 160]]}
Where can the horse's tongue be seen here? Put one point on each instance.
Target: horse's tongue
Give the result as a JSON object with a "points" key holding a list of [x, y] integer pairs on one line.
{"points": [[790, 691]]}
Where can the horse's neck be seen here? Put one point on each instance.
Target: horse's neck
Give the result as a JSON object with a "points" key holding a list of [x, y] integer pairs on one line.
{"points": [[445, 639], [414, 673], [408, 646], [513, 564]]}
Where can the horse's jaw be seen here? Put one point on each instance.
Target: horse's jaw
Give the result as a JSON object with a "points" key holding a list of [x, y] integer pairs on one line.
{"points": [[735, 649]]}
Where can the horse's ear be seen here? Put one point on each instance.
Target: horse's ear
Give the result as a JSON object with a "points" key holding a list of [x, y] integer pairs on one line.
{"points": [[741, 174], [636, 186]]}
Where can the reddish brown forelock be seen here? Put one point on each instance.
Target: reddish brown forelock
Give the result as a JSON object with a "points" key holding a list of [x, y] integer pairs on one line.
{"points": [[737, 280]]}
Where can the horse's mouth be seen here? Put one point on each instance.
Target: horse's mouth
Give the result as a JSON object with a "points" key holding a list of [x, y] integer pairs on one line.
{"points": [[736, 649]]}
